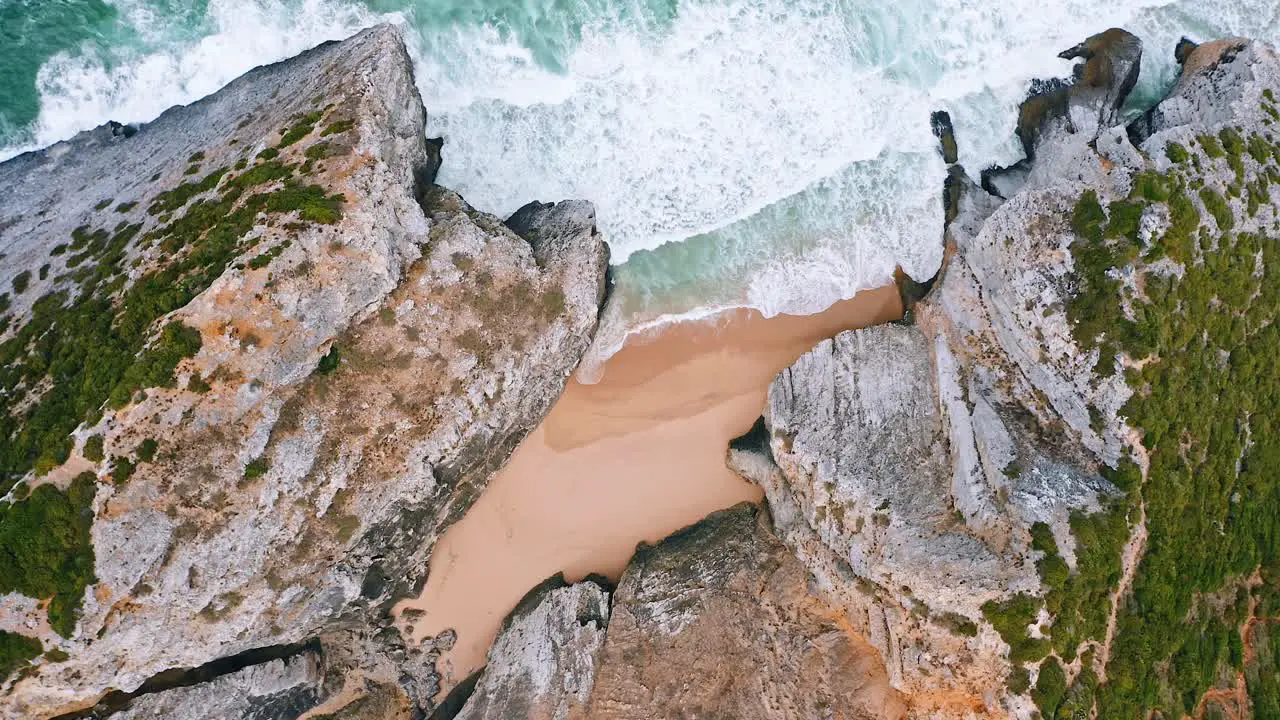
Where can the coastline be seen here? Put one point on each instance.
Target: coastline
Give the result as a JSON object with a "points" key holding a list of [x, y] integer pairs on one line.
{"points": [[630, 459]]}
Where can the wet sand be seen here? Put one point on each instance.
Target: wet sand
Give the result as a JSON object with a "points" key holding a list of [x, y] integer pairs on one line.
{"points": [[633, 458]]}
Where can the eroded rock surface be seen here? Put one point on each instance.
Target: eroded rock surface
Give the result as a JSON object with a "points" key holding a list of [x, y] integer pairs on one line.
{"points": [[1062, 116], [936, 479], [361, 351], [543, 663], [901, 506], [267, 691], [718, 621]]}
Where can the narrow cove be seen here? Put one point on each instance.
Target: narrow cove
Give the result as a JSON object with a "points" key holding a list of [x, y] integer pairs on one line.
{"points": [[628, 460]]}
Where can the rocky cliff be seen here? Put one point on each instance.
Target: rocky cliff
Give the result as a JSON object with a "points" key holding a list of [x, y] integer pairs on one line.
{"points": [[1048, 494], [715, 621], [254, 364], [248, 383], [543, 664]]}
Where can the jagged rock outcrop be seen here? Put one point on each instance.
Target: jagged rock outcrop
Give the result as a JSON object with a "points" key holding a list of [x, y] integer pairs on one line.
{"points": [[266, 691], [886, 471], [543, 663], [931, 475], [347, 355], [718, 620], [905, 465], [1091, 102], [1221, 81], [940, 124], [1060, 116]]}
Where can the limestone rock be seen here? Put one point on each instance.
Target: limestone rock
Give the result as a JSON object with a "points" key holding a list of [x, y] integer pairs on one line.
{"points": [[367, 359], [718, 621], [905, 465], [892, 491], [1221, 81], [940, 123], [543, 663], [1091, 102], [268, 691], [1061, 119]]}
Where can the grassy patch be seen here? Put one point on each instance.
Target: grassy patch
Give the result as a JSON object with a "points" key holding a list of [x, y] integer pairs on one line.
{"points": [[958, 624], [21, 281], [146, 451], [1051, 687], [263, 260], [337, 127], [1010, 618], [92, 340], [1211, 146], [93, 449], [121, 470], [197, 384], [101, 337], [319, 151], [256, 468], [1218, 208], [302, 128], [330, 362]]}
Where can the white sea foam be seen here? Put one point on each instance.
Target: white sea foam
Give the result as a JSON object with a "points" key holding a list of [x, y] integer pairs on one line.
{"points": [[767, 153], [135, 84]]}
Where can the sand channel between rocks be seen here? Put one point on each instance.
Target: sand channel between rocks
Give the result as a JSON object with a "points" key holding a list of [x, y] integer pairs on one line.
{"points": [[630, 459]]}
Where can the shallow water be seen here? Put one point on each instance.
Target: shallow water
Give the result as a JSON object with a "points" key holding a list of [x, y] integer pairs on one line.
{"points": [[768, 153]]}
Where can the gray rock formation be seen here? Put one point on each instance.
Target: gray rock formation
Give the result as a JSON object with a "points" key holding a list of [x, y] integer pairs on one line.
{"points": [[905, 465], [1090, 103], [1061, 116], [371, 351], [886, 473], [268, 691], [543, 663], [1221, 82], [718, 621]]}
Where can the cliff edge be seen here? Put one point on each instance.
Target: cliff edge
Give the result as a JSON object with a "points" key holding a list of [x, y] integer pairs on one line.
{"points": [[1050, 493], [254, 364]]}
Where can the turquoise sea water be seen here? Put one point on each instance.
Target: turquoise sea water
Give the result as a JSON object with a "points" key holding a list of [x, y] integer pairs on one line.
{"points": [[771, 153]]}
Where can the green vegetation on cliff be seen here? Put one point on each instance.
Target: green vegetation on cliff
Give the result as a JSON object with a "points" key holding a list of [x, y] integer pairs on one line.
{"points": [[99, 338], [46, 551], [91, 341], [1208, 404], [16, 651]]}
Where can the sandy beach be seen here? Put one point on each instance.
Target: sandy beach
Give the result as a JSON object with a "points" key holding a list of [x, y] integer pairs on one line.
{"points": [[632, 458]]}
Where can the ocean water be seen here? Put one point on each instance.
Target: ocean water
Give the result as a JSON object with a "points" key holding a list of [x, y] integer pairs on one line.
{"points": [[766, 153]]}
